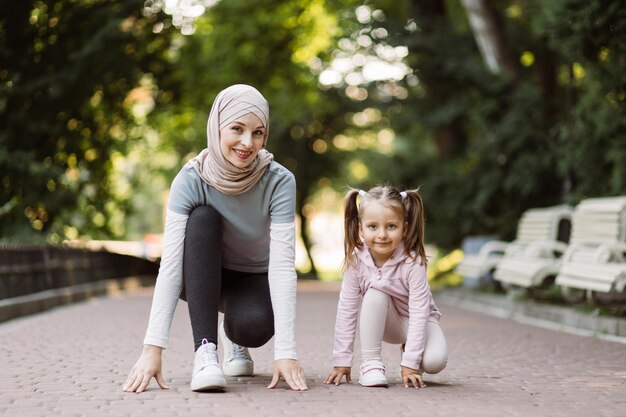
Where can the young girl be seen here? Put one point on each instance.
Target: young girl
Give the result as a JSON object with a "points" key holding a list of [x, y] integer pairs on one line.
{"points": [[385, 264]]}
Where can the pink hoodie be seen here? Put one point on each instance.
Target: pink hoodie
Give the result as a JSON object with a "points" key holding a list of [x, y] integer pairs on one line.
{"points": [[404, 279]]}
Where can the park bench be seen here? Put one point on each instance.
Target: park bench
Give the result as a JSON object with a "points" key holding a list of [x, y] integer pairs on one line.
{"points": [[536, 226], [595, 260], [534, 258], [479, 268]]}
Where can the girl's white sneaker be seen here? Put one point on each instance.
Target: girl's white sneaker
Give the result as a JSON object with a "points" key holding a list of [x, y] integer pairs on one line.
{"points": [[372, 374]]}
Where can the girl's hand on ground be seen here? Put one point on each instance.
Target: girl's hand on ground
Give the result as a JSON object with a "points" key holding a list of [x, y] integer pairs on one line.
{"points": [[412, 377], [337, 374], [293, 373], [148, 366]]}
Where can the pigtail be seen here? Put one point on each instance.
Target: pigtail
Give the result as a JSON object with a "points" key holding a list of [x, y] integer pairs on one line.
{"points": [[416, 224], [352, 238]]}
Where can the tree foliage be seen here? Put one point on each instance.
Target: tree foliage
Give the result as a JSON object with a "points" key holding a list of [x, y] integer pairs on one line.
{"points": [[101, 104], [485, 147], [67, 73], [273, 50]]}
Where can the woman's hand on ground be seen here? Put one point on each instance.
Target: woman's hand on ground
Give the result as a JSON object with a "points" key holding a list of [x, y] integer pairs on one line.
{"points": [[335, 376], [148, 366], [412, 377], [293, 373]]}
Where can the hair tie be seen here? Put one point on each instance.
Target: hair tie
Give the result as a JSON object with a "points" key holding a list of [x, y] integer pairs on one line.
{"points": [[362, 193], [403, 195]]}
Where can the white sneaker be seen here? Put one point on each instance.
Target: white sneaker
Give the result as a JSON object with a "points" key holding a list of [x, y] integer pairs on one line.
{"points": [[207, 374], [237, 359], [372, 374]]}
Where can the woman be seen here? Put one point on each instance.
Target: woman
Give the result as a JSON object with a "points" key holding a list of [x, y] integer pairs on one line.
{"points": [[229, 245]]}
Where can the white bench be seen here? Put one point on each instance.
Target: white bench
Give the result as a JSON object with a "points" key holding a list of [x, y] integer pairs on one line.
{"points": [[477, 268], [595, 261], [534, 257], [535, 226]]}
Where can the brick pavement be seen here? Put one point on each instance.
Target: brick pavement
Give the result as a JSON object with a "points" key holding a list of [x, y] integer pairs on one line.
{"points": [[72, 361]]}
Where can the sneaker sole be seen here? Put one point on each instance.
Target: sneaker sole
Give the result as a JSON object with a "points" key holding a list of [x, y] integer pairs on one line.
{"points": [[380, 384], [238, 370], [374, 383], [208, 384]]}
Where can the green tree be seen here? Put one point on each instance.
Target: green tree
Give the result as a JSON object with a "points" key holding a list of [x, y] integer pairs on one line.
{"points": [[486, 145], [67, 71], [274, 49], [590, 39]]}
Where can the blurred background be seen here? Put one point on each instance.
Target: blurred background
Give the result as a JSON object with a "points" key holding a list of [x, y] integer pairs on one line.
{"points": [[490, 107]]}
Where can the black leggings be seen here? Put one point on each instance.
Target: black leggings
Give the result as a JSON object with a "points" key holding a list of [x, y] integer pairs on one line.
{"points": [[243, 297]]}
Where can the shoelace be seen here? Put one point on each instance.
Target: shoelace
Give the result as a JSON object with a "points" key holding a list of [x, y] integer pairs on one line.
{"points": [[207, 357], [238, 352]]}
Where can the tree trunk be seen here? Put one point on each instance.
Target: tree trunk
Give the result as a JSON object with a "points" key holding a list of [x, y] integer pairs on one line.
{"points": [[450, 137], [489, 36], [304, 232]]}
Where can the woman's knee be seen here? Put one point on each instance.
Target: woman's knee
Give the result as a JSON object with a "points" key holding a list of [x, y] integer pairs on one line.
{"points": [[253, 329], [203, 239], [204, 217]]}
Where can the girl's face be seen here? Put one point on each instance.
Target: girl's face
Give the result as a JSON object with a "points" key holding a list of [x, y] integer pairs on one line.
{"points": [[242, 139], [382, 229]]}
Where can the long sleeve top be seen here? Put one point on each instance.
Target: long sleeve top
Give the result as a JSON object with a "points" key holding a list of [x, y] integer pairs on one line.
{"points": [[258, 236], [405, 280]]}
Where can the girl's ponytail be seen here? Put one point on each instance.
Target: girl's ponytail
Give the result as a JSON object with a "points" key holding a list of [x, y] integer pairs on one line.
{"points": [[352, 238], [416, 224]]}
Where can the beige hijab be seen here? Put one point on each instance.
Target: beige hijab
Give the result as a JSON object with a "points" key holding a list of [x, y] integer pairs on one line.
{"points": [[232, 103]]}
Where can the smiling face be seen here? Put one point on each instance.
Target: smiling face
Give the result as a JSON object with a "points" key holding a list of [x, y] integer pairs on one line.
{"points": [[382, 228], [242, 139]]}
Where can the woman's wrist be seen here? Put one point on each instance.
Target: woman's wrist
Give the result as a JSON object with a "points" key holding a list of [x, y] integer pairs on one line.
{"points": [[152, 349]]}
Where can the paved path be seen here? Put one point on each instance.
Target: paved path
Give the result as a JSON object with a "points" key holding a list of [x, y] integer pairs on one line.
{"points": [[72, 361]]}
